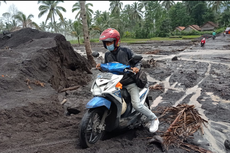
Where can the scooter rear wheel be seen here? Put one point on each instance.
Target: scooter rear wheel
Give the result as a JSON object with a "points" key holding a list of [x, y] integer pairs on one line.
{"points": [[89, 132]]}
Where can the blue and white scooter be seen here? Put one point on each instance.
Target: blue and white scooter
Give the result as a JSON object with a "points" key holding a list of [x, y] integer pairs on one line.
{"points": [[111, 107]]}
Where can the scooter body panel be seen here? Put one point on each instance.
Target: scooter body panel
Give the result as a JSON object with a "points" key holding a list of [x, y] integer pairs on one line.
{"points": [[98, 102]]}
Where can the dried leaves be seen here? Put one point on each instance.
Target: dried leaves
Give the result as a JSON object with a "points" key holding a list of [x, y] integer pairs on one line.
{"points": [[36, 82], [156, 87], [184, 121]]}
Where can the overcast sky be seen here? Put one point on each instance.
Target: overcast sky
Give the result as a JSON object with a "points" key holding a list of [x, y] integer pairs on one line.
{"points": [[31, 7]]}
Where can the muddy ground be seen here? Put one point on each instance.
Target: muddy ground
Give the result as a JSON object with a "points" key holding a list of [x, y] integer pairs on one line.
{"points": [[34, 73]]}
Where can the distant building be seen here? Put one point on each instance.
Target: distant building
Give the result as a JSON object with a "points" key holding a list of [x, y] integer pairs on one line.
{"points": [[179, 28], [208, 26], [192, 27]]}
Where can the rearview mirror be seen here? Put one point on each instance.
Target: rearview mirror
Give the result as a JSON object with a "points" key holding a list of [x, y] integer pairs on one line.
{"points": [[95, 54], [137, 57]]}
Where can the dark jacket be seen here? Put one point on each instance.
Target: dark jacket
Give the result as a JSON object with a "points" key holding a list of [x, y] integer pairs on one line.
{"points": [[122, 55]]}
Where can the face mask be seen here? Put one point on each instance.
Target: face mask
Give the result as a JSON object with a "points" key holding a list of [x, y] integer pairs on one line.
{"points": [[110, 47]]}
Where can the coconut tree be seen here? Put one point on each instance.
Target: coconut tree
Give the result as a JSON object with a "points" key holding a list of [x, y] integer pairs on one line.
{"points": [[62, 24], [136, 11], [115, 7], [126, 16], [167, 4], [52, 8], [77, 7], [25, 20], [6, 17], [103, 22], [216, 5], [43, 26], [77, 30], [86, 34], [97, 14], [143, 4]]}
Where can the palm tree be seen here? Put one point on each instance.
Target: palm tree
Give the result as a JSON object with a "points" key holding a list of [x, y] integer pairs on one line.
{"points": [[43, 26], [51, 26], [25, 20], [77, 30], [97, 14], [115, 7], [216, 5], [86, 34], [168, 4], [127, 16], [7, 16], [77, 7], [52, 8], [136, 11], [143, 4]]}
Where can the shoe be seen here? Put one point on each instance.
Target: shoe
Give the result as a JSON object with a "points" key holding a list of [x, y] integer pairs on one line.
{"points": [[154, 125]]}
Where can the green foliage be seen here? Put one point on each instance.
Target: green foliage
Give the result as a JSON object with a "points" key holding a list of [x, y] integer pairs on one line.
{"points": [[179, 16], [225, 18], [191, 37], [165, 28], [158, 19], [76, 41], [128, 34], [95, 40], [220, 30], [164, 38]]}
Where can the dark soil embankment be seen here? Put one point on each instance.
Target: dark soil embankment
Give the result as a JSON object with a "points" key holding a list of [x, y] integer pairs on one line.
{"points": [[34, 63]]}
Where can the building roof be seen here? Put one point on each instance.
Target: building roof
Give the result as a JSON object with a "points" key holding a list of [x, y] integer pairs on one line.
{"points": [[210, 22], [195, 27], [180, 27]]}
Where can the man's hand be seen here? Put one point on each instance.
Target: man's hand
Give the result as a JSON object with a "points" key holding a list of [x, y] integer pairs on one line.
{"points": [[98, 66], [135, 69]]}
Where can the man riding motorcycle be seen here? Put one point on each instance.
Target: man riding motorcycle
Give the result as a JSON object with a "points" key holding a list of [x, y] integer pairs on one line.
{"points": [[202, 42], [213, 35], [111, 38]]}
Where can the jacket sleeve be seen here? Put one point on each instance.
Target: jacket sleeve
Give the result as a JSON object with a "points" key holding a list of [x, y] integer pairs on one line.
{"points": [[131, 53], [105, 57]]}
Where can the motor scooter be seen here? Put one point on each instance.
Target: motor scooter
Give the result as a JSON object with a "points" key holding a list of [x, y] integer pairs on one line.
{"points": [[110, 109], [202, 42], [213, 37]]}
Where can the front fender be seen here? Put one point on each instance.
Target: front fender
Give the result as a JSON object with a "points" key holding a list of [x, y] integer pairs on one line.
{"points": [[98, 102]]}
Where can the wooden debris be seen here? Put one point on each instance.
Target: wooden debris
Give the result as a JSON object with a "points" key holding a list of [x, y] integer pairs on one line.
{"points": [[70, 88], [156, 87], [152, 62], [39, 83], [63, 101], [184, 121], [36, 82]]}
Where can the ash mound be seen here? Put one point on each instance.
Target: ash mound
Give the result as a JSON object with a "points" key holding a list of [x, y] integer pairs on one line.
{"points": [[35, 65]]}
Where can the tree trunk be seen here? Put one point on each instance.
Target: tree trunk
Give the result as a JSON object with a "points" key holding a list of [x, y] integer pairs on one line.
{"points": [[86, 35], [78, 41]]}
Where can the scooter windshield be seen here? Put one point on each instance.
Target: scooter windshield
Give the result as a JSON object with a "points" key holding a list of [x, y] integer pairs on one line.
{"points": [[115, 68]]}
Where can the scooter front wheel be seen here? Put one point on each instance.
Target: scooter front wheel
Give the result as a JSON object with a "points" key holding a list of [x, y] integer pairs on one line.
{"points": [[89, 131]]}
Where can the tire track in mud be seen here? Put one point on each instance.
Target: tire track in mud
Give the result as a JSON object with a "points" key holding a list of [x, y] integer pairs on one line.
{"points": [[30, 148]]}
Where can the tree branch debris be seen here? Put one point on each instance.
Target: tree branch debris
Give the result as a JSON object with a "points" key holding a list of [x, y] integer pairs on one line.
{"points": [[156, 87], [184, 120], [36, 82]]}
